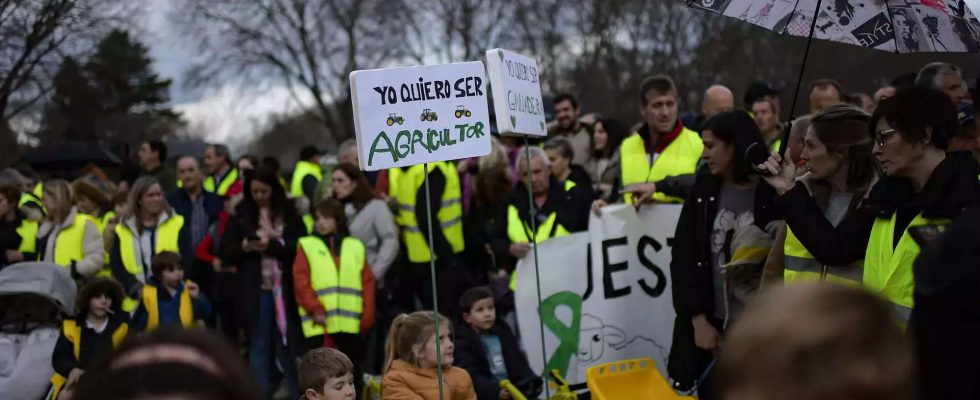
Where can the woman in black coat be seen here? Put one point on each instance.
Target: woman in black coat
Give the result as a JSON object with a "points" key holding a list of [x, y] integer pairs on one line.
{"points": [[725, 201], [261, 239]]}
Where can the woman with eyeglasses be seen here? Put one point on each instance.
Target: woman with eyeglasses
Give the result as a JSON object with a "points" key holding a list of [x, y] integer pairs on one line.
{"points": [[922, 190], [151, 227]]}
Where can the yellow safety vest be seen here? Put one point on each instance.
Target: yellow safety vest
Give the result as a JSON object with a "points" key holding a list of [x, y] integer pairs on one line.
{"points": [[73, 332], [105, 272], [680, 157], [888, 272], [69, 246], [450, 214], [28, 236], [308, 222], [394, 174], [167, 239], [339, 290], [801, 266], [226, 182], [30, 198], [152, 307], [774, 146], [303, 168], [518, 230]]}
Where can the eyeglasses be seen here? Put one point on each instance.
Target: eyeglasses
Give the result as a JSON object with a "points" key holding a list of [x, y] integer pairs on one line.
{"points": [[882, 136]]}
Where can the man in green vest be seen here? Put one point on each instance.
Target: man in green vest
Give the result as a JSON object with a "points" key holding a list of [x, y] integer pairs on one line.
{"points": [[222, 177], [559, 208], [446, 223], [764, 112], [661, 153], [307, 174]]}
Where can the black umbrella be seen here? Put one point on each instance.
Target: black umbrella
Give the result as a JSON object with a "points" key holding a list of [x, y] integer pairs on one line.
{"points": [[68, 155]]}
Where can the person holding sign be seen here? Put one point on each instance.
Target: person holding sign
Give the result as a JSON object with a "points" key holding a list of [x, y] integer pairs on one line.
{"points": [[661, 150], [713, 274], [559, 209], [447, 230]]}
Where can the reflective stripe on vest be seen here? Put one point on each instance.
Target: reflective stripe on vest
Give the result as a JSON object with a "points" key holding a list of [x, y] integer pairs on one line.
{"points": [[800, 266], [303, 168], [308, 222], [339, 290], [680, 157], [518, 230], [450, 215], [69, 247], [888, 272], [167, 238], [186, 308], [73, 333], [226, 182], [28, 236]]}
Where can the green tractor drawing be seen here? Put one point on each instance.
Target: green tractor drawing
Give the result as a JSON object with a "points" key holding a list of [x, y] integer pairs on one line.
{"points": [[394, 119], [428, 115], [462, 111]]}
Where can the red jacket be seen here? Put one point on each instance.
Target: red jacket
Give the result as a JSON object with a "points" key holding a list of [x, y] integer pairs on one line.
{"points": [[306, 297], [203, 251]]}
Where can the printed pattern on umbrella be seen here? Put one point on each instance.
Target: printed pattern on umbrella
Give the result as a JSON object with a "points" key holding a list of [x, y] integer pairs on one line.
{"points": [[904, 26]]}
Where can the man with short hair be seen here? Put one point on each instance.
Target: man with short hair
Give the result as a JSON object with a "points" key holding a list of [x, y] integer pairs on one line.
{"points": [[825, 92], [761, 91], [558, 208], [152, 154], [946, 77], [568, 126], [662, 148], [200, 209], [765, 116], [797, 134], [717, 99], [968, 136], [307, 174], [222, 176]]}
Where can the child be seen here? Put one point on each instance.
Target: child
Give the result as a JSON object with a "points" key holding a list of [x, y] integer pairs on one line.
{"points": [[411, 361], [99, 327], [488, 350], [334, 286], [167, 299], [326, 374]]}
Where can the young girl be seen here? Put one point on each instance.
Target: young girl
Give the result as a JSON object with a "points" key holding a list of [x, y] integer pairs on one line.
{"points": [[99, 327], [334, 286], [411, 361]]}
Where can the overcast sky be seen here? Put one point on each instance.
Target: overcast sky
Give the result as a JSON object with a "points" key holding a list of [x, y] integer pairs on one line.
{"points": [[230, 113]]}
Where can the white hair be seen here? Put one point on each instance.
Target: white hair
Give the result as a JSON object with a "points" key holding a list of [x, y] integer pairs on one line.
{"points": [[932, 74], [534, 152]]}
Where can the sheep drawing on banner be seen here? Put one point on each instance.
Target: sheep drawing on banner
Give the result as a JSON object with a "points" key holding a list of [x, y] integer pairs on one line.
{"points": [[595, 335]]}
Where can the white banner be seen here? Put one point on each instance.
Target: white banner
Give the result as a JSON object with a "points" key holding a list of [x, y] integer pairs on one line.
{"points": [[517, 93], [414, 115], [616, 305]]}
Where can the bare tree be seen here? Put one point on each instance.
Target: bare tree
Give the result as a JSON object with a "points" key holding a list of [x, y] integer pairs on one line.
{"points": [[35, 35], [307, 45]]}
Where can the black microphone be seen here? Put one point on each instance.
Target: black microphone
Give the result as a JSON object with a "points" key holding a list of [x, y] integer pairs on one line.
{"points": [[758, 153]]}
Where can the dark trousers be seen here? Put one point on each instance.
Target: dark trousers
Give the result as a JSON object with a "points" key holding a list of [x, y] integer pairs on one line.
{"points": [[415, 281], [350, 344]]}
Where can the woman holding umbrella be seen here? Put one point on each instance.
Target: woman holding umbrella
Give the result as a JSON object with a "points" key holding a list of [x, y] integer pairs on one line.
{"points": [[68, 237], [923, 189]]}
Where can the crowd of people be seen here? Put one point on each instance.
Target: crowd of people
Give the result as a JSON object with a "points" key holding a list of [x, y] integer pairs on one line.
{"points": [[333, 257]]}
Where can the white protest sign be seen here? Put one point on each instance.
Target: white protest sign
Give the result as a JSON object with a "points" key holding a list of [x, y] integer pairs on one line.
{"points": [[516, 93], [615, 306], [414, 115]]}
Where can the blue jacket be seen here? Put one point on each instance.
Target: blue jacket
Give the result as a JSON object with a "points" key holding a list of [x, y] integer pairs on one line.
{"points": [[182, 205], [169, 307]]}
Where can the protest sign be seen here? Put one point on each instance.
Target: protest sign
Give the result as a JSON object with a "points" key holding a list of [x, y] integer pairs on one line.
{"points": [[606, 293], [516, 93], [414, 115]]}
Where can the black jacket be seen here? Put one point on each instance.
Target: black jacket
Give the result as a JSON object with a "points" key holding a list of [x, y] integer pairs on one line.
{"points": [[9, 238], [946, 317], [471, 356], [571, 208], [180, 201], [952, 187], [691, 269], [243, 225], [93, 345]]}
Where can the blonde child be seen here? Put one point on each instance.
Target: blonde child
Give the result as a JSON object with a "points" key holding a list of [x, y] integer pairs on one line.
{"points": [[411, 361]]}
